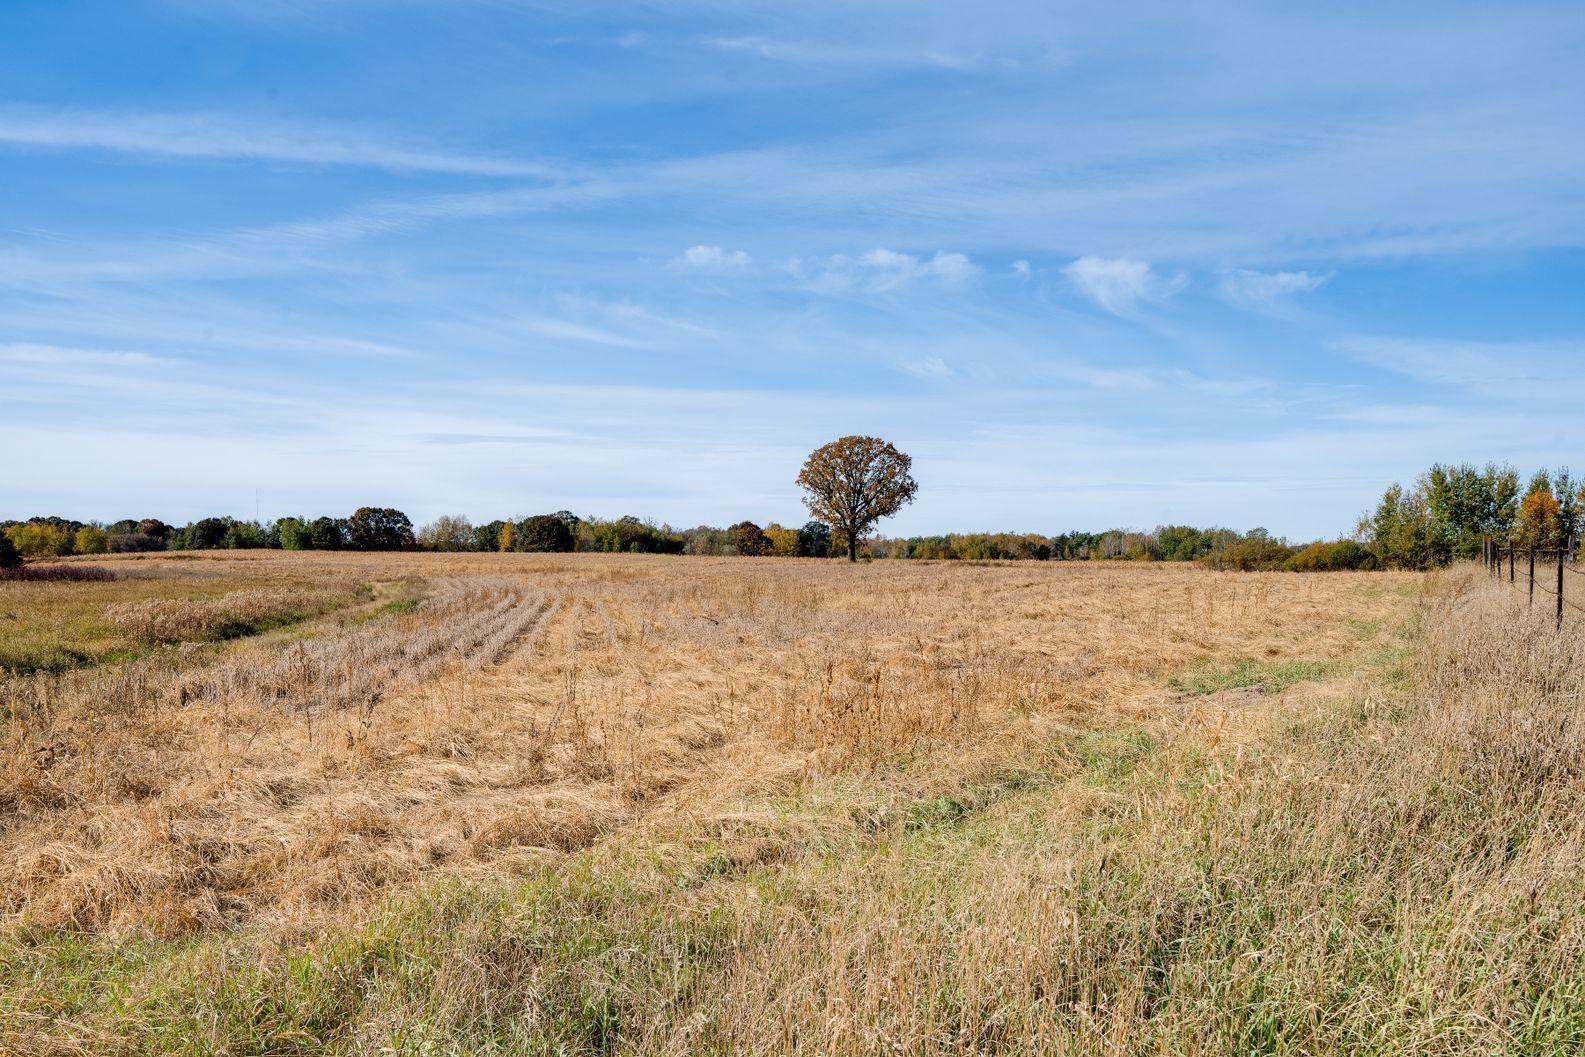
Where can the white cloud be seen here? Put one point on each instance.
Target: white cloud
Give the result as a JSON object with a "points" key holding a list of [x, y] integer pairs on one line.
{"points": [[1119, 285], [1267, 291], [710, 258], [883, 271], [929, 367], [1492, 367], [816, 53], [209, 135], [1022, 268], [24, 352]]}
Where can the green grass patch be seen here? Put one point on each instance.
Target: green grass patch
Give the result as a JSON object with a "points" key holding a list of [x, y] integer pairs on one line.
{"points": [[1215, 676]]}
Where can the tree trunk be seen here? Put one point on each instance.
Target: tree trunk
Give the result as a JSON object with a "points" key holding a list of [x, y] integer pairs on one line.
{"points": [[853, 546]]}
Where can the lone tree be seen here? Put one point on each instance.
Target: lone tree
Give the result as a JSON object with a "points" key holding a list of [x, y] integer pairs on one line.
{"points": [[853, 482]]}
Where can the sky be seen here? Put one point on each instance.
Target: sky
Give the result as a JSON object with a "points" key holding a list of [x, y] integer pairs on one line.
{"points": [[1090, 265]]}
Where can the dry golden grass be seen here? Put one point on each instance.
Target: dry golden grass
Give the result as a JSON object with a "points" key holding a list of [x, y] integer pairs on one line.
{"points": [[602, 805], [489, 713]]}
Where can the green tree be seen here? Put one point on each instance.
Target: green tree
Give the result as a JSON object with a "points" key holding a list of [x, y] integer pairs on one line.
{"points": [[9, 558], [379, 528], [294, 534], [814, 540], [855, 481], [749, 539], [1400, 531], [544, 533], [327, 534], [204, 534], [487, 537], [1570, 494], [245, 535]]}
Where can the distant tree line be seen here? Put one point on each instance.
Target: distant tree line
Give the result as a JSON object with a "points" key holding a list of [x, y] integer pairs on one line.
{"points": [[386, 529], [1444, 516]]}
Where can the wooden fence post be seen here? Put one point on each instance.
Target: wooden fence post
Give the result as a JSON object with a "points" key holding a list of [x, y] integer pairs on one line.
{"points": [[1510, 561], [1532, 577], [1560, 556]]}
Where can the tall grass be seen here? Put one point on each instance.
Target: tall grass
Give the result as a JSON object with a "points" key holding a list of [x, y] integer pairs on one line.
{"points": [[1386, 862]]}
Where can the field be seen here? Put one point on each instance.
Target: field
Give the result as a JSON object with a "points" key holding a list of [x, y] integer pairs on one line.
{"points": [[254, 802]]}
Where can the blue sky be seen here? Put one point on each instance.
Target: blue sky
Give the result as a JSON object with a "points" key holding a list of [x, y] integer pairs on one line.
{"points": [[1235, 264]]}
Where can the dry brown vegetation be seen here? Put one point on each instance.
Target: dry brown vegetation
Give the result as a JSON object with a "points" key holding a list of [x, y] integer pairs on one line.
{"points": [[514, 803], [292, 773]]}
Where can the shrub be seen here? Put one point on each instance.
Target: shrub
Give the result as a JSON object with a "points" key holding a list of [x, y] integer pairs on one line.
{"points": [[1256, 550], [56, 572], [1335, 557], [1332, 557], [134, 543], [9, 558]]}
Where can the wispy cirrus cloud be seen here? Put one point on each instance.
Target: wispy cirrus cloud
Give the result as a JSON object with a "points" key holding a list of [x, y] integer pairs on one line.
{"points": [[883, 271], [1501, 368], [222, 136], [825, 53], [1120, 285], [25, 352], [1268, 292]]}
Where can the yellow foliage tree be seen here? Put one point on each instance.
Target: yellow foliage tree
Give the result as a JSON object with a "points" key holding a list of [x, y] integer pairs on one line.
{"points": [[783, 541], [91, 540], [1540, 521], [853, 482]]}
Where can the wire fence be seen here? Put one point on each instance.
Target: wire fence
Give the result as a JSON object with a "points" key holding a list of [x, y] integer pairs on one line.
{"points": [[1556, 563]]}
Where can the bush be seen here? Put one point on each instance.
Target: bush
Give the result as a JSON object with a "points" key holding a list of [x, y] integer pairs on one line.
{"points": [[57, 572], [1331, 557], [1256, 550], [9, 558], [134, 543]]}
